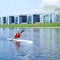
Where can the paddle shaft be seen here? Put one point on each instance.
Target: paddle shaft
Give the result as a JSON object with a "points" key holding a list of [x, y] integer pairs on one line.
{"points": [[22, 31]]}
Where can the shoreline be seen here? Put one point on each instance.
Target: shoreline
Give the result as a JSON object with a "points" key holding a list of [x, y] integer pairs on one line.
{"points": [[30, 27], [40, 25]]}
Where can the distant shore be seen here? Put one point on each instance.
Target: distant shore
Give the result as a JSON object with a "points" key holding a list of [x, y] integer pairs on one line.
{"points": [[38, 25]]}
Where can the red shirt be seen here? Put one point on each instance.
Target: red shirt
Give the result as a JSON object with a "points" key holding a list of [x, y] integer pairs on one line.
{"points": [[17, 35]]}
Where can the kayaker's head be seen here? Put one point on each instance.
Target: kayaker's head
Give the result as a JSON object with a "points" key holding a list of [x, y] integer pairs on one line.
{"points": [[18, 31]]}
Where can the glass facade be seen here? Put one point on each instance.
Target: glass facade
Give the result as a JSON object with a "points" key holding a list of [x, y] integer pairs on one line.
{"points": [[36, 18], [4, 20], [11, 19], [57, 18], [29, 20], [23, 19], [46, 18], [16, 20]]}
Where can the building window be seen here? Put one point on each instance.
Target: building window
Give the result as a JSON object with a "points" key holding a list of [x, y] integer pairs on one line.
{"points": [[16, 21], [57, 18], [36, 18], [29, 19], [46, 18], [4, 20]]}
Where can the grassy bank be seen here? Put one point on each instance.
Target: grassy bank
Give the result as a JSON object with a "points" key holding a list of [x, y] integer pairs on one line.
{"points": [[32, 25]]}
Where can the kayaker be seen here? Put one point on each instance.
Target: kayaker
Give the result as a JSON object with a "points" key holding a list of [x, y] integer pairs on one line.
{"points": [[17, 34]]}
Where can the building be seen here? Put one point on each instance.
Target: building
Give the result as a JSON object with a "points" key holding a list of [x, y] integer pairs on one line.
{"points": [[31, 19]]}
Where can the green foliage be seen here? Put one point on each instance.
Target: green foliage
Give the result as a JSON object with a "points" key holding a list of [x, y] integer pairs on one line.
{"points": [[31, 25]]}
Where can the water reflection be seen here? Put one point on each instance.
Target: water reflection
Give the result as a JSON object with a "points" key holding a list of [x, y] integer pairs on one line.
{"points": [[36, 44], [17, 44], [45, 46]]}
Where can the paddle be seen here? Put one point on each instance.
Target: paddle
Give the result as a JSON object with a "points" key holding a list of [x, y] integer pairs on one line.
{"points": [[22, 31]]}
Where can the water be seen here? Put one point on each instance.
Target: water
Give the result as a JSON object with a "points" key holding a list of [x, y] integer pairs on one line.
{"points": [[45, 46]]}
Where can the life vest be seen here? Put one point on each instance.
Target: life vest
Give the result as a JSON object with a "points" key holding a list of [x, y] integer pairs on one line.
{"points": [[17, 35]]}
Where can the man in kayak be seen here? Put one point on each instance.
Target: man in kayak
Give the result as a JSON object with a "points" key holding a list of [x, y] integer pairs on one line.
{"points": [[17, 34]]}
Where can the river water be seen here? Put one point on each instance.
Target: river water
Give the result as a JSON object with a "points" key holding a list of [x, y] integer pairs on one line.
{"points": [[45, 44]]}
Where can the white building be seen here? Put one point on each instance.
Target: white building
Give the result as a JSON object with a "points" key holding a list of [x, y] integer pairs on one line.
{"points": [[47, 17]]}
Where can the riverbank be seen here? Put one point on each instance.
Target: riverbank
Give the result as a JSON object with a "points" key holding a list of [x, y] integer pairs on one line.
{"points": [[31, 25]]}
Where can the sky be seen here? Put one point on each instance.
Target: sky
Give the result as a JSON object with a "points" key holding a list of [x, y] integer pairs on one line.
{"points": [[15, 7]]}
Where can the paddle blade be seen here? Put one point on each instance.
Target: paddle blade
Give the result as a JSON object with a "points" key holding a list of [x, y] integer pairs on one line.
{"points": [[22, 31]]}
